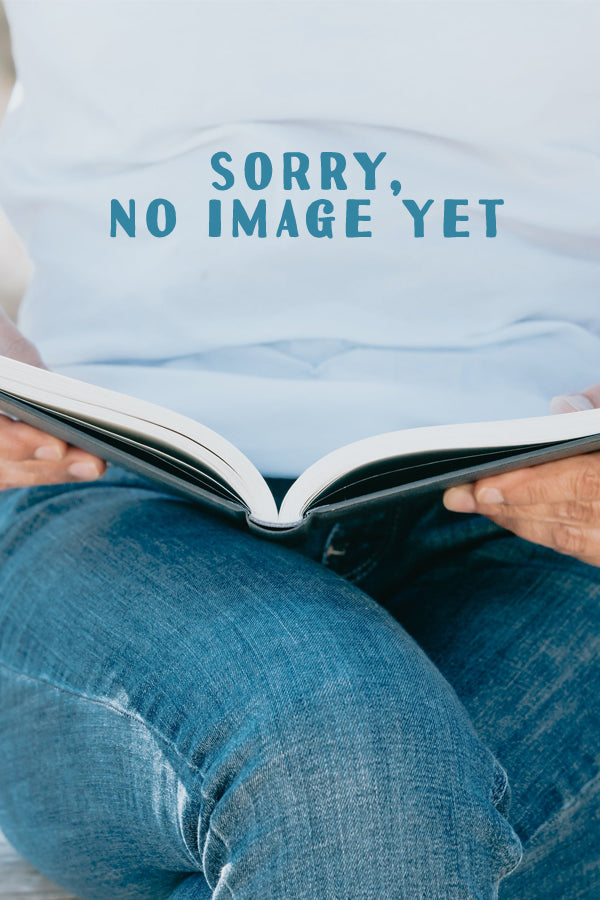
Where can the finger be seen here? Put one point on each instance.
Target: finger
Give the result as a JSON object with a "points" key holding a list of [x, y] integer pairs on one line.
{"points": [[567, 403], [576, 477], [21, 441], [460, 499], [570, 539], [83, 466], [75, 466], [592, 393], [574, 512], [587, 399]]}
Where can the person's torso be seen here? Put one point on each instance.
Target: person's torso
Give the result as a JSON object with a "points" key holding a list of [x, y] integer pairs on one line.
{"points": [[467, 100]]}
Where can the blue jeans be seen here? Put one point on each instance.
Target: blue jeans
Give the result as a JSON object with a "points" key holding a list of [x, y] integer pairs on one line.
{"points": [[188, 711]]}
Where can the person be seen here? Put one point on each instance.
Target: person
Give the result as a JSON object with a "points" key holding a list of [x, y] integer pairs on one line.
{"points": [[189, 711]]}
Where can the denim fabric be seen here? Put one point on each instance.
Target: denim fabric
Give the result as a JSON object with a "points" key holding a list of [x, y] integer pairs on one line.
{"points": [[191, 712]]}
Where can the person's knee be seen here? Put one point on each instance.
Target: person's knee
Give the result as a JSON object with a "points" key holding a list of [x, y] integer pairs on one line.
{"points": [[301, 749], [355, 747]]}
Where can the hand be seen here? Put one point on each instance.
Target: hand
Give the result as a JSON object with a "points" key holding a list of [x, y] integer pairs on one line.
{"points": [[556, 504], [29, 456]]}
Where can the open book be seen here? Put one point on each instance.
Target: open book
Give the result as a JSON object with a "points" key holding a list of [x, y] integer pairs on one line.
{"points": [[195, 461]]}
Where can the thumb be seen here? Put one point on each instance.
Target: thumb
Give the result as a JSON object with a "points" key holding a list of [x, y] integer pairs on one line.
{"points": [[587, 399]]}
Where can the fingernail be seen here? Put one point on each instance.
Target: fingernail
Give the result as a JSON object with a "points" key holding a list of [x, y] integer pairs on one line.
{"points": [[489, 495], [49, 452], [460, 499], [570, 403], [84, 470]]}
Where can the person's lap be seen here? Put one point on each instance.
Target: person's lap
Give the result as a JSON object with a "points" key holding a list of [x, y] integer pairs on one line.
{"points": [[180, 698]]}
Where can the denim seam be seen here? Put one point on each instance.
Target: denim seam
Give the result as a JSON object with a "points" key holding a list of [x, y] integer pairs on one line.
{"points": [[220, 838], [125, 714], [500, 787]]}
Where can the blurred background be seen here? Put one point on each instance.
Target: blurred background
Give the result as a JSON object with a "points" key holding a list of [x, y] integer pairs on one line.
{"points": [[15, 268]]}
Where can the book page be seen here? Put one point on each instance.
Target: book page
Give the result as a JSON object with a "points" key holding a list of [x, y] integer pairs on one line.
{"points": [[338, 465], [152, 424]]}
